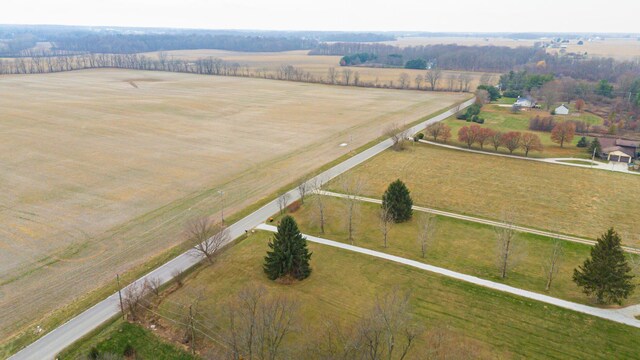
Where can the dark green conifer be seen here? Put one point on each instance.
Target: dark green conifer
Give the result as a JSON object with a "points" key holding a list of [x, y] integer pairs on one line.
{"points": [[289, 255]]}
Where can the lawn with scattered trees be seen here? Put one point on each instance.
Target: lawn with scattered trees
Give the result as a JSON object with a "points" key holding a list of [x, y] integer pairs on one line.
{"points": [[502, 120]]}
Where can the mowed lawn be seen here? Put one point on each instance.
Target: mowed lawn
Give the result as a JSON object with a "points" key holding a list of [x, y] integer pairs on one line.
{"points": [[501, 119], [565, 199], [344, 285], [102, 169], [457, 245]]}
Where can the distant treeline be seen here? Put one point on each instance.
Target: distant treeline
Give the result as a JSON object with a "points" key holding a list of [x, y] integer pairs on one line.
{"points": [[128, 44], [446, 57], [18, 41]]}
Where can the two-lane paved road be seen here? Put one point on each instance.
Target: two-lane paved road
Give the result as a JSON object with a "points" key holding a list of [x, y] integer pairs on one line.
{"points": [[58, 339]]}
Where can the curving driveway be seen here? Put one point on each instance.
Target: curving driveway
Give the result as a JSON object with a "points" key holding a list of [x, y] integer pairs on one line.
{"points": [[620, 316]]}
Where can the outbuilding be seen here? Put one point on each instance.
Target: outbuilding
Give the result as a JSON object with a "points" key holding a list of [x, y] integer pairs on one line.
{"points": [[562, 110]]}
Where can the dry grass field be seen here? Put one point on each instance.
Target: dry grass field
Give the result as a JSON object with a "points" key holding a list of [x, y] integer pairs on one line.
{"points": [[319, 66], [101, 169], [564, 199], [460, 40], [617, 48]]}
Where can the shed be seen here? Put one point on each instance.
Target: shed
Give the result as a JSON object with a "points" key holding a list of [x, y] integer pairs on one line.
{"points": [[562, 110]]}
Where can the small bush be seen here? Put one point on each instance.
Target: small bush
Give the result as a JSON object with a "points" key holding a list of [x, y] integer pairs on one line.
{"points": [[294, 206], [478, 120], [420, 136], [129, 351], [582, 143], [94, 353]]}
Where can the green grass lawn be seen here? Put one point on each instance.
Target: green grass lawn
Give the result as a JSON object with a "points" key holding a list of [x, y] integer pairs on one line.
{"points": [[343, 286], [501, 119], [565, 199], [117, 336], [458, 245]]}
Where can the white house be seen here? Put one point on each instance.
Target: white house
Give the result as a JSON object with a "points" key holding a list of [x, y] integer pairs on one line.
{"points": [[562, 110], [525, 102]]}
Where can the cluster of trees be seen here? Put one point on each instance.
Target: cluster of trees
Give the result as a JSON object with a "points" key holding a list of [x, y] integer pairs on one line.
{"points": [[356, 59], [472, 113], [440, 131], [512, 140], [517, 83], [448, 57]]}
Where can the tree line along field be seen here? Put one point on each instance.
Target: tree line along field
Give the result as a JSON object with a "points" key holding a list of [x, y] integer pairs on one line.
{"points": [[103, 168], [500, 118], [318, 66], [343, 286], [564, 199]]}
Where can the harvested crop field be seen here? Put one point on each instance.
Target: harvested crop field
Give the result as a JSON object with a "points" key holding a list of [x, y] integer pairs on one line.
{"points": [[318, 66], [103, 168]]}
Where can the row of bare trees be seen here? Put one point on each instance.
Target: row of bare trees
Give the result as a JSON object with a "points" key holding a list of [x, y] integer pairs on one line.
{"points": [[434, 80]]}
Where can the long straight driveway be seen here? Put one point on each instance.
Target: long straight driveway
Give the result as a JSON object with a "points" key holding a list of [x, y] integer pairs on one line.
{"points": [[58, 339]]}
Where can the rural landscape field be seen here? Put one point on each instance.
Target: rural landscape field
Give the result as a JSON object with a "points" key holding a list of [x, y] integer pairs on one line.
{"points": [[107, 168], [321, 181]]}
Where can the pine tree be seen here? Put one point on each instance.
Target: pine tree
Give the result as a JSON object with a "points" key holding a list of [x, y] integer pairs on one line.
{"points": [[595, 145], [398, 201], [606, 274], [289, 255]]}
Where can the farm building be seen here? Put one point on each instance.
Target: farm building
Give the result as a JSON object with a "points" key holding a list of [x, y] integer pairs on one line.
{"points": [[619, 149], [562, 110], [525, 102]]}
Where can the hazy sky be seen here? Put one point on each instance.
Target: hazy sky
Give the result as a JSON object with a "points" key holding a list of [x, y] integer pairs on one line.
{"points": [[374, 15]]}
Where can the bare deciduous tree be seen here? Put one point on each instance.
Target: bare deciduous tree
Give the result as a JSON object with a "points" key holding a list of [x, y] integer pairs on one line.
{"points": [[332, 76], [404, 81], [258, 324], [178, 276], [153, 285], [134, 299], [319, 205], [433, 77], [397, 136], [351, 187], [303, 189], [206, 237], [346, 76], [505, 237], [385, 221], [426, 231], [419, 80], [553, 261], [283, 201], [388, 332]]}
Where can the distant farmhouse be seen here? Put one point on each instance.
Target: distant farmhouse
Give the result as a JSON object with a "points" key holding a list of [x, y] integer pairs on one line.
{"points": [[619, 149], [525, 102], [562, 110]]}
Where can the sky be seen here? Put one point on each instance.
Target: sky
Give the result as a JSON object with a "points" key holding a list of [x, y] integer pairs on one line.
{"points": [[342, 15]]}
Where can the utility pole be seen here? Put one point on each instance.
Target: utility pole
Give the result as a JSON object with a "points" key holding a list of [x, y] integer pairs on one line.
{"points": [[193, 336], [222, 202], [120, 295]]}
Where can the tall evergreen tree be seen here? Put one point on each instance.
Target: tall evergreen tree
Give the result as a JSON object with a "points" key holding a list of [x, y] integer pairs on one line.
{"points": [[398, 200], [606, 274], [289, 255], [595, 145]]}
